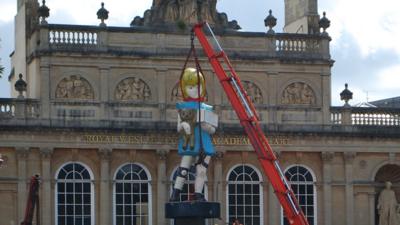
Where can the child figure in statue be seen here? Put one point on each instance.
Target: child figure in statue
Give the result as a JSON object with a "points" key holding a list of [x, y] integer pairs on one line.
{"points": [[196, 123]]}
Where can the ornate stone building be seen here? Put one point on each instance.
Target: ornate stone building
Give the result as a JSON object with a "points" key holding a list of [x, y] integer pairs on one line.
{"points": [[97, 121]]}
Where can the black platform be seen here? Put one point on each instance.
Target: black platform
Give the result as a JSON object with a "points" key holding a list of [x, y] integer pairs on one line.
{"points": [[193, 213]]}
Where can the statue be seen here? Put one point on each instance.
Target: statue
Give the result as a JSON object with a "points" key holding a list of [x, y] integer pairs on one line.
{"points": [[195, 143], [388, 208], [189, 12]]}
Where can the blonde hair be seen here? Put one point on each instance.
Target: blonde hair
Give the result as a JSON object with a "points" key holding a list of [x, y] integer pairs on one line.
{"points": [[190, 77]]}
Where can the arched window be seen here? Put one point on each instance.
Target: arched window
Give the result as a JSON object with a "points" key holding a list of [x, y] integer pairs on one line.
{"points": [[132, 195], [244, 195], [187, 193], [74, 195], [301, 180]]}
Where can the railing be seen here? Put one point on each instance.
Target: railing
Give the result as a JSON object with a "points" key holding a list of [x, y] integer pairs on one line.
{"points": [[67, 35], [7, 108], [365, 116], [297, 43], [123, 39], [19, 108]]}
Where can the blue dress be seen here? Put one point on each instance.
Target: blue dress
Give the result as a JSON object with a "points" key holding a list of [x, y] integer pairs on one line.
{"points": [[206, 140]]}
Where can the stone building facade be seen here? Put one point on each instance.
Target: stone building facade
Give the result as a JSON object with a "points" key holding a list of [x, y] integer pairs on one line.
{"points": [[98, 121]]}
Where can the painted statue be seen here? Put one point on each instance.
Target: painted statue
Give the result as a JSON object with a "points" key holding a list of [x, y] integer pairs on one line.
{"points": [[196, 123], [387, 206]]}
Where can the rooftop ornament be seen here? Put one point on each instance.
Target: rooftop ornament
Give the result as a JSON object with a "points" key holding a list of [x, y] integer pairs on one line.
{"points": [[324, 23], [102, 14], [43, 12], [270, 22], [346, 95], [20, 86]]}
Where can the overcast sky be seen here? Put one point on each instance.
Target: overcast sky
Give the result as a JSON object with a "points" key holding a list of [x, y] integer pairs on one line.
{"points": [[365, 36]]}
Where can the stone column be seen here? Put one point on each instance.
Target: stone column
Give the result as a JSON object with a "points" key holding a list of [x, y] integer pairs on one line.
{"points": [[218, 179], [327, 158], [46, 180], [349, 159], [105, 191], [22, 154], [162, 182]]}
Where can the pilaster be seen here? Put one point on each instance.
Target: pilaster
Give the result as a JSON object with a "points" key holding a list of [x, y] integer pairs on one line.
{"points": [[104, 93], [326, 97], [348, 160], [162, 92], [46, 179], [274, 207], [22, 155], [327, 158], [218, 180], [105, 193], [162, 183], [45, 91], [371, 202], [273, 96]]}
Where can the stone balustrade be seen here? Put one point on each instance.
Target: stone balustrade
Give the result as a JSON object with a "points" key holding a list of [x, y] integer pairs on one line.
{"points": [[71, 36], [297, 43], [19, 108], [148, 40], [361, 116]]}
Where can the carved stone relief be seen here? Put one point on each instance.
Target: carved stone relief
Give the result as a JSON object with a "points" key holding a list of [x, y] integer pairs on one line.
{"points": [[253, 91], [74, 87], [298, 93], [132, 88]]}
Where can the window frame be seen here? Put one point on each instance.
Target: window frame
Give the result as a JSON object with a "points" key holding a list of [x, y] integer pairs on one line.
{"points": [[92, 194], [261, 190], [150, 193], [305, 183]]}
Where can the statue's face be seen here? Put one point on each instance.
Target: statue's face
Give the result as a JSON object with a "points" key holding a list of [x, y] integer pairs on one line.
{"points": [[192, 90], [388, 185]]}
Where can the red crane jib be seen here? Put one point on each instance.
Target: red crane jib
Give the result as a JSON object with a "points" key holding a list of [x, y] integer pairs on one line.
{"points": [[249, 119]]}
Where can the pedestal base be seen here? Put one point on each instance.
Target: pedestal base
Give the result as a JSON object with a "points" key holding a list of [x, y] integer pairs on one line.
{"points": [[193, 213]]}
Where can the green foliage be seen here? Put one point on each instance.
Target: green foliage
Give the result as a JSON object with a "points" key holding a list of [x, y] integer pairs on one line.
{"points": [[181, 24]]}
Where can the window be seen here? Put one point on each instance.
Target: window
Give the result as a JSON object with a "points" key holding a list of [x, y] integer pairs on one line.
{"points": [[302, 182], [132, 195], [74, 195], [244, 195], [187, 193]]}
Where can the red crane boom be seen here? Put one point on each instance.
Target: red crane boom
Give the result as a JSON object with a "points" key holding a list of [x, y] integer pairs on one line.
{"points": [[249, 119]]}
